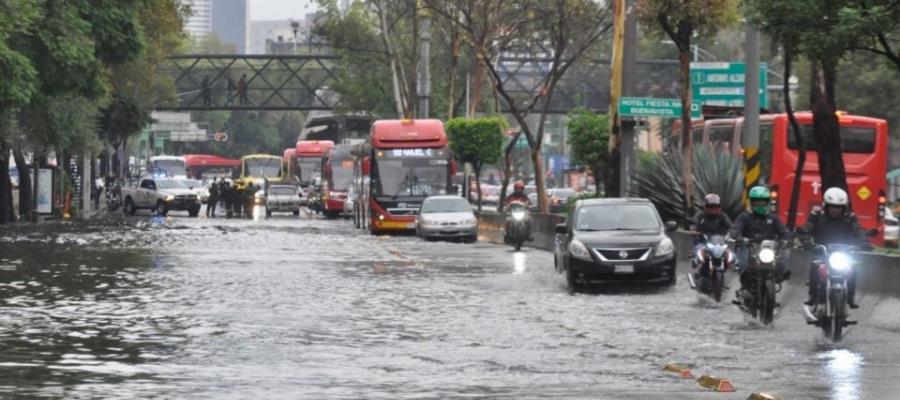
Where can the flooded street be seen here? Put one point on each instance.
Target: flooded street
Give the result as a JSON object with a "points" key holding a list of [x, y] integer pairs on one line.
{"points": [[307, 308]]}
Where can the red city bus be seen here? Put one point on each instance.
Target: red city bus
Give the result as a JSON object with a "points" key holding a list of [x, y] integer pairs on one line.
{"points": [[206, 166], [337, 176], [309, 160], [864, 141], [402, 163]]}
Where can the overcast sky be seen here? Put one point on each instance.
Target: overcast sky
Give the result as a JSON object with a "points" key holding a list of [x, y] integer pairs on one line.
{"points": [[280, 9]]}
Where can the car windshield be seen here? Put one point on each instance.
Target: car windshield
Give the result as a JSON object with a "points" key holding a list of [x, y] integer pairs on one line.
{"points": [[170, 185], [563, 193], [263, 167], [615, 217], [171, 167], [445, 206], [411, 177], [283, 190], [310, 168]]}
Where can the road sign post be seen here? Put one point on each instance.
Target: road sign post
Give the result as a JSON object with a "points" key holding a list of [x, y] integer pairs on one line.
{"points": [[722, 83], [650, 107]]}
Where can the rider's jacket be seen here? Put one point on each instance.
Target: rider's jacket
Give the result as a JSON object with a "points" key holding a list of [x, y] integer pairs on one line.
{"points": [[759, 227], [517, 197], [842, 230], [710, 225]]}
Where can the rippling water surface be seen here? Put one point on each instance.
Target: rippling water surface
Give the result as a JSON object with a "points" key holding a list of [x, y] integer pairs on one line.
{"points": [[300, 308]]}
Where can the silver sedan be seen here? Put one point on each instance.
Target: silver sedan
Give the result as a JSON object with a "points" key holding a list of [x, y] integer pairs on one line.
{"points": [[447, 217]]}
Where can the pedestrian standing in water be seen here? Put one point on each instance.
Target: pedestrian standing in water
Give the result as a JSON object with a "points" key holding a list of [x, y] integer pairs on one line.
{"points": [[213, 198]]}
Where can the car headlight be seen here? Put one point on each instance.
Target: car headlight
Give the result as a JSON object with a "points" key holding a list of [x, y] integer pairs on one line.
{"points": [[518, 215], [766, 256], [577, 249], [170, 198], [839, 261], [665, 247], [469, 222]]}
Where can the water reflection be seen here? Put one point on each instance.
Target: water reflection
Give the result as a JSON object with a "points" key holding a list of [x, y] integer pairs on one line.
{"points": [[842, 368], [73, 313], [519, 261]]}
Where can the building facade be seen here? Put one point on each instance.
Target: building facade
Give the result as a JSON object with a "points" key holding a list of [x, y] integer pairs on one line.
{"points": [[200, 21], [230, 22]]}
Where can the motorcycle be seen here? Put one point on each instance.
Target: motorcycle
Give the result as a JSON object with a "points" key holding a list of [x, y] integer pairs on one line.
{"points": [[762, 281], [835, 266], [713, 259], [518, 225]]}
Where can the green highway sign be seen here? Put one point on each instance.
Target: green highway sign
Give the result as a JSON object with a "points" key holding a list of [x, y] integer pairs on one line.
{"points": [[650, 107], [722, 83]]}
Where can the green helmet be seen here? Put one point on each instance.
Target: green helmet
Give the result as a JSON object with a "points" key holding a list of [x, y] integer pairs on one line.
{"points": [[759, 193]]}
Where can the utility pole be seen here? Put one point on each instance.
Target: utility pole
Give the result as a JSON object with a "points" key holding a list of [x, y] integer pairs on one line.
{"points": [[423, 84], [750, 134], [629, 61], [622, 83]]}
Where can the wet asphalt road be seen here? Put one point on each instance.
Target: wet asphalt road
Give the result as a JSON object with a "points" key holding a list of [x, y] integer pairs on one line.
{"points": [[307, 308]]}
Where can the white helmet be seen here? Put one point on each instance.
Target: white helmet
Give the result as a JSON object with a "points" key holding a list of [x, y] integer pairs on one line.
{"points": [[836, 197]]}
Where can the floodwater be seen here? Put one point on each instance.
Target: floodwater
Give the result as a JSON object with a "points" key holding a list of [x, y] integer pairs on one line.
{"points": [[307, 308]]}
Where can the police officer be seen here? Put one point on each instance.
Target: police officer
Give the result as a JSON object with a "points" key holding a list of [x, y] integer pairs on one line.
{"points": [[757, 225], [213, 198], [835, 225]]}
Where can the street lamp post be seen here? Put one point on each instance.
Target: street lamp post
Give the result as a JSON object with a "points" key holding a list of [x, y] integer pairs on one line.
{"points": [[295, 26]]}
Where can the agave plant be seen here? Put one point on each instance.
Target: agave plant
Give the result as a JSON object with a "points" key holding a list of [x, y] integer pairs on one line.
{"points": [[658, 178]]}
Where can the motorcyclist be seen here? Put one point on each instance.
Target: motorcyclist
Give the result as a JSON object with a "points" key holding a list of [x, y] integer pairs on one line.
{"points": [[709, 222], [518, 195], [757, 225], [834, 225]]}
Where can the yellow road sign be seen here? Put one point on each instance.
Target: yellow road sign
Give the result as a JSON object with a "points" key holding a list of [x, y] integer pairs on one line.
{"points": [[863, 193]]}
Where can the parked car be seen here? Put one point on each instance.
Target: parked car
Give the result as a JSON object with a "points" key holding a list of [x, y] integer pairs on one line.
{"points": [[162, 195], [891, 229], [559, 197], [283, 198], [614, 239], [447, 217]]}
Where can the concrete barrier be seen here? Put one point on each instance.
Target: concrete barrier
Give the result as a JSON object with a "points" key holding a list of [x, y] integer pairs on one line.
{"points": [[491, 225]]}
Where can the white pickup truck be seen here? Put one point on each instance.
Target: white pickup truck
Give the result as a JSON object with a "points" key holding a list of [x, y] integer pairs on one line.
{"points": [[161, 195]]}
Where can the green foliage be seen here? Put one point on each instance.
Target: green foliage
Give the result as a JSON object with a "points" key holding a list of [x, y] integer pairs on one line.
{"points": [[248, 132], [589, 140], [478, 141], [704, 17], [581, 196], [658, 178]]}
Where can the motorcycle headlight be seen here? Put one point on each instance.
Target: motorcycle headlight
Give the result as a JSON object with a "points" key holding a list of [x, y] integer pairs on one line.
{"points": [[766, 256], [518, 215], [665, 248], [839, 261], [577, 249]]}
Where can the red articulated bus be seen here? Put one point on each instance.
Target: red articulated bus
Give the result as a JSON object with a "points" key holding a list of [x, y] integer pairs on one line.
{"points": [[397, 168], [337, 176], [864, 142], [207, 166], [309, 154]]}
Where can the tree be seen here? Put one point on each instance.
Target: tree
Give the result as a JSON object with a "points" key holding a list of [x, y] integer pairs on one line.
{"points": [[564, 29], [823, 35], [680, 20], [589, 141], [478, 142], [879, 22]]}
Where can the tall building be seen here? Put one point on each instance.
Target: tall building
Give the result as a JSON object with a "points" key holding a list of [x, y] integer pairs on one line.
{"points": [[277, 31], [230, 22], [200, 20]]}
